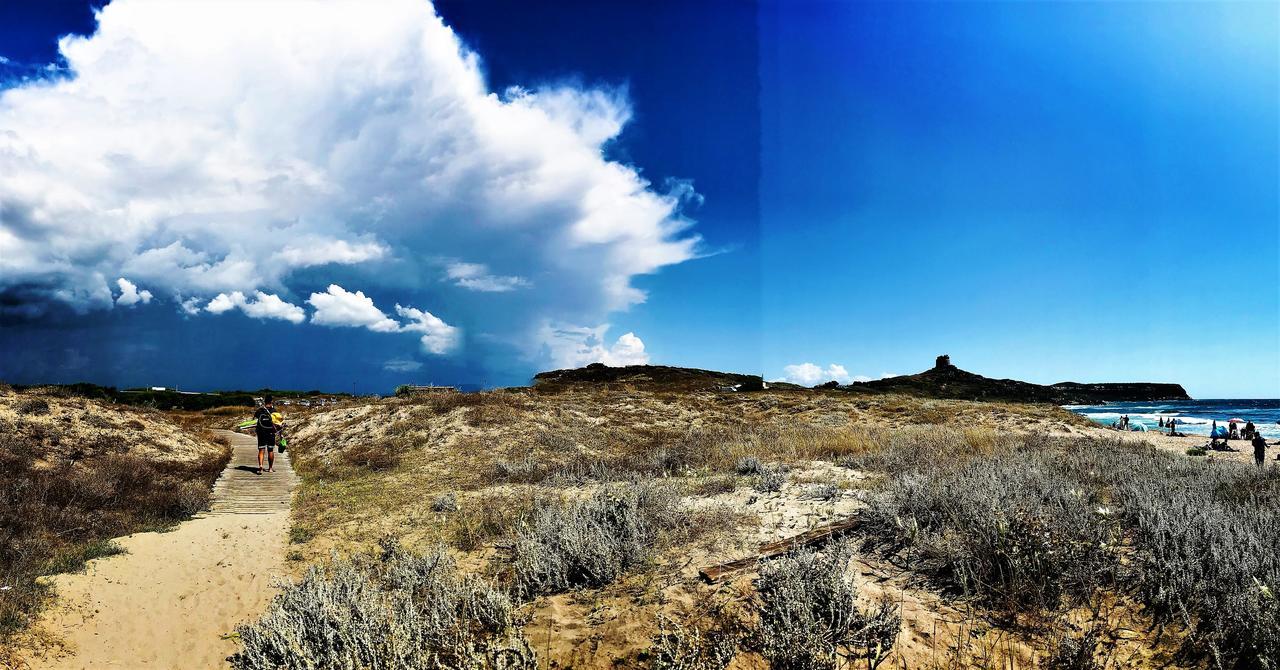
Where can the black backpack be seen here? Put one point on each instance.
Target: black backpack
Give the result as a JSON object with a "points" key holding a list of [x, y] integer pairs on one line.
{"points": [[265, 422]]}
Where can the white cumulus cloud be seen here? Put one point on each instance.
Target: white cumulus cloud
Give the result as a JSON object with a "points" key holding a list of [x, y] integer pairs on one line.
{"points": [[809, 374], [438, 337], [576, 346], [261, 306], [203, 148], [130, 295], [339, 307]]}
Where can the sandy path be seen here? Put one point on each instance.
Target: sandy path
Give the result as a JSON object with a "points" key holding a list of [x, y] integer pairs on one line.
{"points": [[169, 602]]}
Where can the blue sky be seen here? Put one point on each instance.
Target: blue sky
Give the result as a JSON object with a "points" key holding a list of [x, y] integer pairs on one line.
{"points": [[1046, 191]]}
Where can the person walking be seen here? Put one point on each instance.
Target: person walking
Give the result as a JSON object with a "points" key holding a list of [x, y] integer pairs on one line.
{"points": [[1259, 448], [266, 427]]}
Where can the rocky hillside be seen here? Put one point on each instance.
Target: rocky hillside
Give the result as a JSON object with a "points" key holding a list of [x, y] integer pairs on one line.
{"points": [[945, 380]]}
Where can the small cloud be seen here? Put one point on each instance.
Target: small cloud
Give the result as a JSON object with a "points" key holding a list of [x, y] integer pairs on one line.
{"points": [[189, 306], [270, 306], [438, 337], [262, 306], [340, 308], [324, 252], [628, 350], [402, 365], [224, 302], [809, 374], [130, 295], [476, 277]]}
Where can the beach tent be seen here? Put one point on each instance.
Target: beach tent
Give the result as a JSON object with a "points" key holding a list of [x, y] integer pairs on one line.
{"points": [[1220, 431], [1138, 427]]}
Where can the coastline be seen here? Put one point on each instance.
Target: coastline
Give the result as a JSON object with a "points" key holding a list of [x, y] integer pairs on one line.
{"points": [[1240, 450]]}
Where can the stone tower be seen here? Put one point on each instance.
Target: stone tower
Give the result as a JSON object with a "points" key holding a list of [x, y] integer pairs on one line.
{"points": [[942, 362]]}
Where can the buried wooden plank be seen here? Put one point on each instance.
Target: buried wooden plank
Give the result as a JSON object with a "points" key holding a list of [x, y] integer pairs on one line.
{"points": [[809, 538]]}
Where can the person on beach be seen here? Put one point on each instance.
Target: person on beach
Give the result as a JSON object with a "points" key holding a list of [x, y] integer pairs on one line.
{"points": [[1160, 422], [1259, 449], [1249, 430], [266, 430]]}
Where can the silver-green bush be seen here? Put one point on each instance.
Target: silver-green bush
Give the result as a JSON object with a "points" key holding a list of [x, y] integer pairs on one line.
{"points": [[693, 647], [593, 541], [1041, 522], [403, 611], [809, 617]]}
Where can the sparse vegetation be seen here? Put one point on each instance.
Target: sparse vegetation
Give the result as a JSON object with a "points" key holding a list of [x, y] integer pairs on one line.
{"points": [[402, 611], [1036, 523], [1074, 653], [810, 618], [749, 465], [544, 484], [70, 480], [770, 480], [701, 645], [372, 456], [447, 502], [593, 541], [589, 508]]}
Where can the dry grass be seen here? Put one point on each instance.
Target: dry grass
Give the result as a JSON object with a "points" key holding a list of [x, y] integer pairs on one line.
{"points": [[75, 473], [532, 480], [1035, 525], [368, 467]]}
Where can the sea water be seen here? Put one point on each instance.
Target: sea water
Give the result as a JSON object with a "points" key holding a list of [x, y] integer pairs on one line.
{"points": [[1194, 416]]}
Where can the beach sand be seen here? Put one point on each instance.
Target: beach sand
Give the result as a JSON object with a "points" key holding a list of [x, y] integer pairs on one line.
{"points": [[174, 600], [1241, 451]]}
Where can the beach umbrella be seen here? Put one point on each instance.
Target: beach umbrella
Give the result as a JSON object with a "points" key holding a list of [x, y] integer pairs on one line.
{"points": [[1236, 421]]}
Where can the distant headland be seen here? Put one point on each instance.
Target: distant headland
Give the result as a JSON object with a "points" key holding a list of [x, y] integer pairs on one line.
{"points": [[943, 380]]}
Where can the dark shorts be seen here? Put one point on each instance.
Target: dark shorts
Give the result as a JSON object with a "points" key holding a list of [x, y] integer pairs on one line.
{"points": [[267, 441]]}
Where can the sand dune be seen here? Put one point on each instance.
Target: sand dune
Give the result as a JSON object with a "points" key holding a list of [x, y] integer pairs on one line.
{"points": [[174, 600]]}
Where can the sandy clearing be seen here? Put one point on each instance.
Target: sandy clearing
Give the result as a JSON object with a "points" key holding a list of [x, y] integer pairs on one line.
{"points": [[172, 600]]}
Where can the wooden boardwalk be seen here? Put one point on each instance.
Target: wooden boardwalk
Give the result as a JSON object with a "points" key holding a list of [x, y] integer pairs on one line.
{"points": [[241, 490]]}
